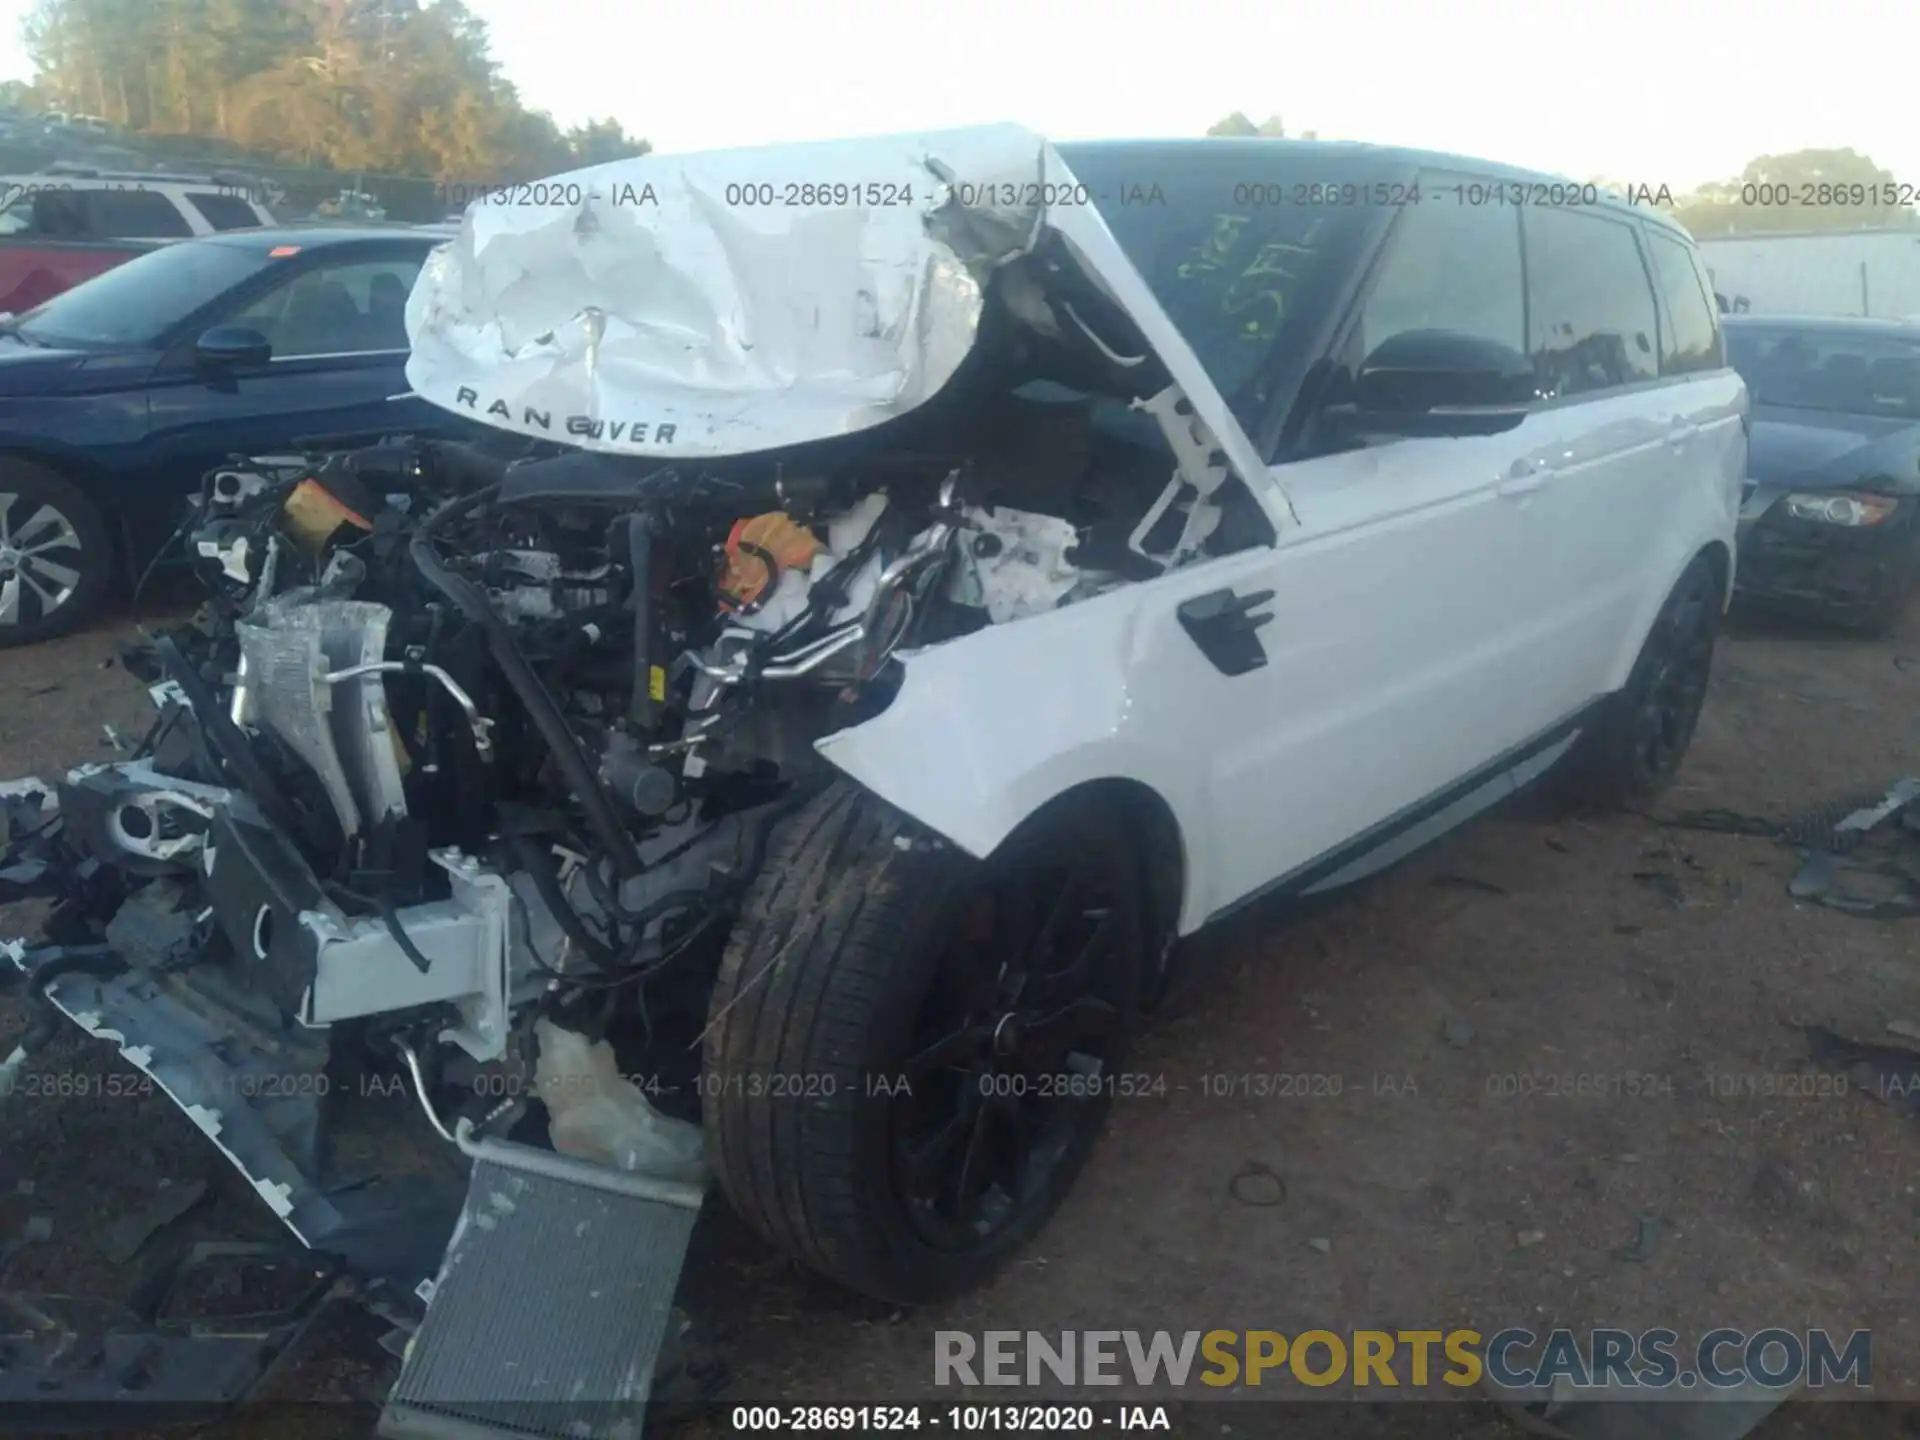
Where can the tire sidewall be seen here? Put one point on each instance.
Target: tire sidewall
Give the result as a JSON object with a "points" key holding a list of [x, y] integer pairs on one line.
{"points": [[946, 878], [1639, 783]]}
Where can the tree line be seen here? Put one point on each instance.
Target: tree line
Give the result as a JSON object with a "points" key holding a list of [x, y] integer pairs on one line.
{"points": [[388, 86]]}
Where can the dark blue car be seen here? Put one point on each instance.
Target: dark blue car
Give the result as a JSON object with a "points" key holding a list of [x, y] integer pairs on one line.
{"points": [[1830, 517], [117, 396]]}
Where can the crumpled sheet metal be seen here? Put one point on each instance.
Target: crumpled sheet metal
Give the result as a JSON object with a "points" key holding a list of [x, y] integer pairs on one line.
{"points": [[718, 303], [637, 312]]}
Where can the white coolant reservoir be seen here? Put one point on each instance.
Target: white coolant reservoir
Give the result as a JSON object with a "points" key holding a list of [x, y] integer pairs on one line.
{"points": [[600, 1115]]}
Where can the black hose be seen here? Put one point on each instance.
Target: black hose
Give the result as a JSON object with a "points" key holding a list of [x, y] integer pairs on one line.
{"points": [[739, 608], [540, 705], [539, 868], [641, 974], [453, 509], [467, 464], [140, 585], [828, 593], [691, 898], [400, 936], [642, 709]]}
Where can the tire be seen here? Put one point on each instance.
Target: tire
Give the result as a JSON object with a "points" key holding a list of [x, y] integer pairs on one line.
{"points": [[872, 1106], [1635, 747], [56, 560]]}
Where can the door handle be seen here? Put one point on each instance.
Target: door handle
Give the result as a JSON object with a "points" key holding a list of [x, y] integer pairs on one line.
{"points": [[1222, 624], [1681, 432], [1525, 477]]}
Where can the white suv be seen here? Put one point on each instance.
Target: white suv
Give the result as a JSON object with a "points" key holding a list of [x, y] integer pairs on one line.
{"points": [[1386, 479], [947, 572], [94, 205]]}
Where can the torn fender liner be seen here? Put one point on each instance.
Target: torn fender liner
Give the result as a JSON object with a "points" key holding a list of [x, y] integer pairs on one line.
{"points": [[737, 301]]}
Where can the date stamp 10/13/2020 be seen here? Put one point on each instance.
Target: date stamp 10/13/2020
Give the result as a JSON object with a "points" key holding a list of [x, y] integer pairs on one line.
{"points": [[1254, 192], [813, 194]]}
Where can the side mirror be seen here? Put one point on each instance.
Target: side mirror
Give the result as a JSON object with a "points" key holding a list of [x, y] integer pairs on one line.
{"points": [[1441, 382], [232, 347]]}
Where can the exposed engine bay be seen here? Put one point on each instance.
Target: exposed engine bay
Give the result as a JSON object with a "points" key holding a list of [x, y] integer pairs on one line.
{"points": [[474, 754], [471, 736]]}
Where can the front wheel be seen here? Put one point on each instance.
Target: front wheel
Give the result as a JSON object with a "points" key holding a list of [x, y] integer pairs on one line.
{"points": [[911, 1052], [1635, 747], [56, 562]]}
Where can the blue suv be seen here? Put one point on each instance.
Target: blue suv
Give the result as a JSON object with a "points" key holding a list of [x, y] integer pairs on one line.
{"points": [[116, 397]]}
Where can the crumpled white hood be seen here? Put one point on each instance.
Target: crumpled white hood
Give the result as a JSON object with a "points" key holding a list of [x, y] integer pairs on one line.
{"points": [[726, 302]]}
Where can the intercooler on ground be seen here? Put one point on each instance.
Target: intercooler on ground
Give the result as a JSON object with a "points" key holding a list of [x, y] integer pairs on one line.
{"points": [[550, 1310]]}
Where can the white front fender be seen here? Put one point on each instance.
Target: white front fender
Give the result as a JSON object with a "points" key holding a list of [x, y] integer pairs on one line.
{"points": [[987, 729]]}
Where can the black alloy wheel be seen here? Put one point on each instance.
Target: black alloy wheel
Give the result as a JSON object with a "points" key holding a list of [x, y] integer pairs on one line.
{"points": [[910, 1053], [1680, 652], [1642, 733], [1014, 1048]]}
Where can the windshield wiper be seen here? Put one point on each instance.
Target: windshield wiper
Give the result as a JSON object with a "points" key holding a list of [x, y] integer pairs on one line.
{"points": [[11, 327]]}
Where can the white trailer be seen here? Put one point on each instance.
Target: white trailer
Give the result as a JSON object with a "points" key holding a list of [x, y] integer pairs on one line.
{"points": [[1874, 273]]}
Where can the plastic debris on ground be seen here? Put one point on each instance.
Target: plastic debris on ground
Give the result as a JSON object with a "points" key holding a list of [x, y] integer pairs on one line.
{"points": [[1888, 1073], [1860, 857], [127, 1234], [1641, 1249]]}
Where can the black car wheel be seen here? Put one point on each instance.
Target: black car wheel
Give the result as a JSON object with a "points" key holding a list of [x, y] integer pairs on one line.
{"points": [[1635, 747], [56, 562], [912, 1052]]}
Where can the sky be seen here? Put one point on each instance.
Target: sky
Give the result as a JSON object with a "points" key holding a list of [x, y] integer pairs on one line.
{"points": [[1649, 92]]}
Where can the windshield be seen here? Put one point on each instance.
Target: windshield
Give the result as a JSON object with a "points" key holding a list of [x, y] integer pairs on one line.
{"points": [[138, 302], [1856, 374], [1244, 258]]}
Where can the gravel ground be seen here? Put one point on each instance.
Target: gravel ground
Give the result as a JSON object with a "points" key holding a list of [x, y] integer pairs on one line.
{"points": [[1445, 1163]]}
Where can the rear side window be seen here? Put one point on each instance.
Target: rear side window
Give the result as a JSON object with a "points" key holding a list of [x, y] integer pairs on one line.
{"points": [[223, 212], [1448, 267], [1691, 341], [135, 215], [53, 214], [1591, 318], [354, 307]]}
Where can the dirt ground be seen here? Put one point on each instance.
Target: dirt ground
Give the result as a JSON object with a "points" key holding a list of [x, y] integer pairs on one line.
{"points": [[1430, 1178]]}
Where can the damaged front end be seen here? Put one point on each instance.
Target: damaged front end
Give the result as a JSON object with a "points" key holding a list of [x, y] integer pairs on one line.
{"points": [[459, 776]]}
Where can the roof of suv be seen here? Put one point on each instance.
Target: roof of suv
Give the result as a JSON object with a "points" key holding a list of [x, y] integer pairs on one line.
{"points": [[319, 234], [1368, 161], [1826, 324]]}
